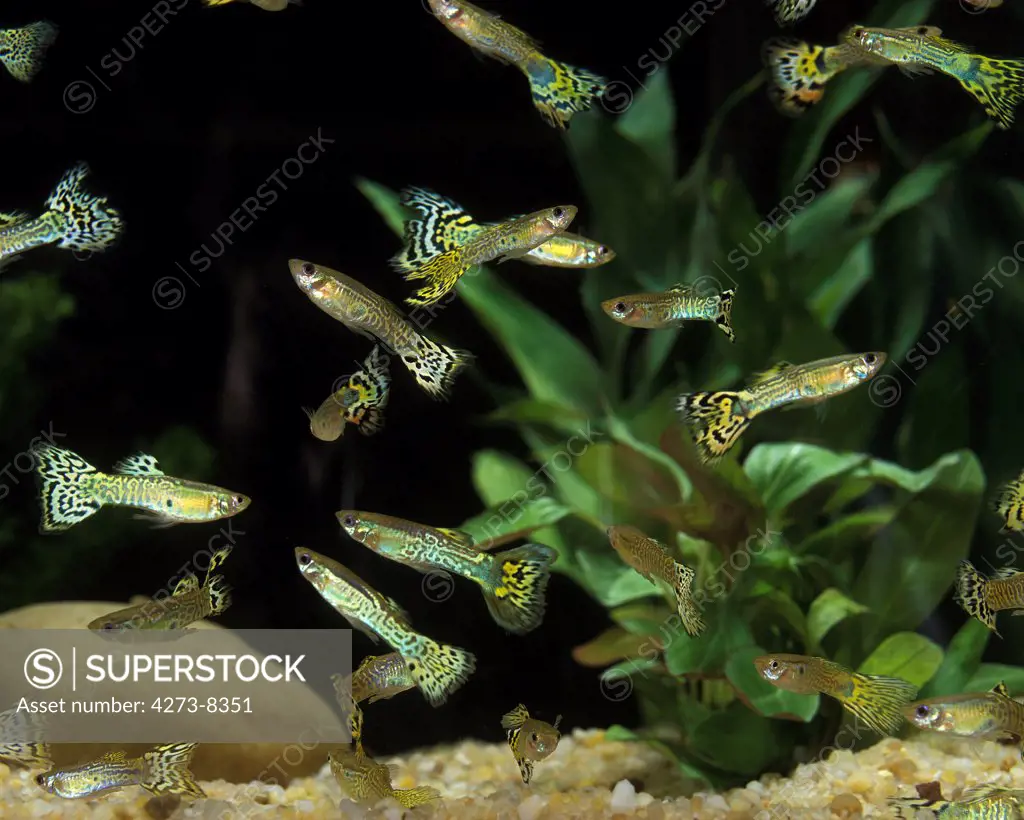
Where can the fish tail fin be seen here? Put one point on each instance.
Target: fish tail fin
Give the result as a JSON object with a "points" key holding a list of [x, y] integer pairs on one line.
{"points": [[516, 587], [688, 610], [515, 719], [373, 421], [561, 90], [442, 273], [998, 85], [1009, 504], [971, 587], [167, 770], [724, 318], [435, 366], [911, 805], [715, 420], [417, 796], [220, 595], [798, 73], [788, 12], [22, 49], [66, 495], [86, 222], [439, 669], [442, 225], [879, 701]]}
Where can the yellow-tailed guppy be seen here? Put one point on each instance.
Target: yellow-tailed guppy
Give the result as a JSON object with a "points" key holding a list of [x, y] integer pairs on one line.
{"points": [[513, 582], [446, 242], [364, 312], [73, 219], [986, 802], [360, 401], [716, 420], [530, 740], [437, 668], [22, 49], [1009, 505], [558, 90], [163, 770], [995, 83], [991, 715], [190, 602], [366, 781], [679, 304], [72, 490], [877, 700], [378, 677]]}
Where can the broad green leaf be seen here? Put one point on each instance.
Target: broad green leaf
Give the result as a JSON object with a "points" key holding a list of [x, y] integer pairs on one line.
{"points": [[497, 477], [726, 633], [610, 646], [913, 560], [989, 674], [530, 411], [845, 535], [641, 619], [961, 662], [738, 740], [612, 582], [514, 518], [827, 610], [769, 700], [784, 473], [905, 655], [650, 123]]}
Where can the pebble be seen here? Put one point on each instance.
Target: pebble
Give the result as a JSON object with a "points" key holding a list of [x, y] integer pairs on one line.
{"points": [[623, 796], [531, 807]]}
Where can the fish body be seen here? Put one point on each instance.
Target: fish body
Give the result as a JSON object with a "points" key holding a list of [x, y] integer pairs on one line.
{"points": [[266, 5], [559, 91], [188, 603], [530, 740], [513, 582], [161, 771], [20, 741], [1009, 504], [437, 669], [983, 597], [876, 700], [788, 12], [73, 490], [998, 85], [717, 420], [22, 49], [378, 677], [73, 219], [991, 715], [364, 780], [652, 560], [364, 312], [360, 401], [799, 71], [986, 802], [469, 244], [676, 306], [443, 225]]}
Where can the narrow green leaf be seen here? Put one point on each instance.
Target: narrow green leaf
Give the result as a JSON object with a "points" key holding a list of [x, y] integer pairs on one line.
{"points": [[650, 123]]}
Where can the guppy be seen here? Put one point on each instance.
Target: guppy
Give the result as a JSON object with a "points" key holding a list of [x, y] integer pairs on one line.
{"points": [[364, 780], [559, 91], [72, 490], [446, 242], [991, 715], [788, 12], [652, 560], [360, 401], [717, 419], [378, 677], [986, 802], [530, 740], [877, 700], [997, 84], [163, 770], [983, 597], [19, 743], [364, 312], [1009, 505], [513, 582], [266, 5], [437, 669], [679, 304], [189, 603], [73, 219], [22, 49], [443, 225]]}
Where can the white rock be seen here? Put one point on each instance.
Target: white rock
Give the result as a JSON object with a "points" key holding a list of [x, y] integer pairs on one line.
{"points": [[531, 807], [717, 802], [623, 796]]}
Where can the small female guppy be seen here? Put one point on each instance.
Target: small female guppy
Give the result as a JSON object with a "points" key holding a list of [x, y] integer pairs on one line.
{"points": [[360, 400], [991, 715], [163, 770], [679, 304], [530, 740]]}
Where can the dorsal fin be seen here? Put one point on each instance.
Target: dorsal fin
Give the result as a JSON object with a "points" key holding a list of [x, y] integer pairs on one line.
{"points": [[923, 31], [138, 464], [680, 288], [1006, 572], [516, 718], [114, 756], [1000, 689], [775, 370], [186, 584], [460, 537]]}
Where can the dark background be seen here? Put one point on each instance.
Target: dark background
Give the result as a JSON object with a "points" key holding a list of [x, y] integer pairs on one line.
{"points": [[202, 114]]}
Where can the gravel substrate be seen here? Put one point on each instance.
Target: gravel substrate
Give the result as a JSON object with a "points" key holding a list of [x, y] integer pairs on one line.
{"points": [[586, 777]]}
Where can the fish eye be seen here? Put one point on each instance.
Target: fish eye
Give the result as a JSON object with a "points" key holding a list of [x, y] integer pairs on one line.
{"points": [[41, 779], [349, 520], [620, 307], [774, 664], [108, 626], [236, 500], [533, 737], [305, 559], [871, 358], [601, 250], [558, 213], [170, 503], [308, 268], [922, 711]]}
